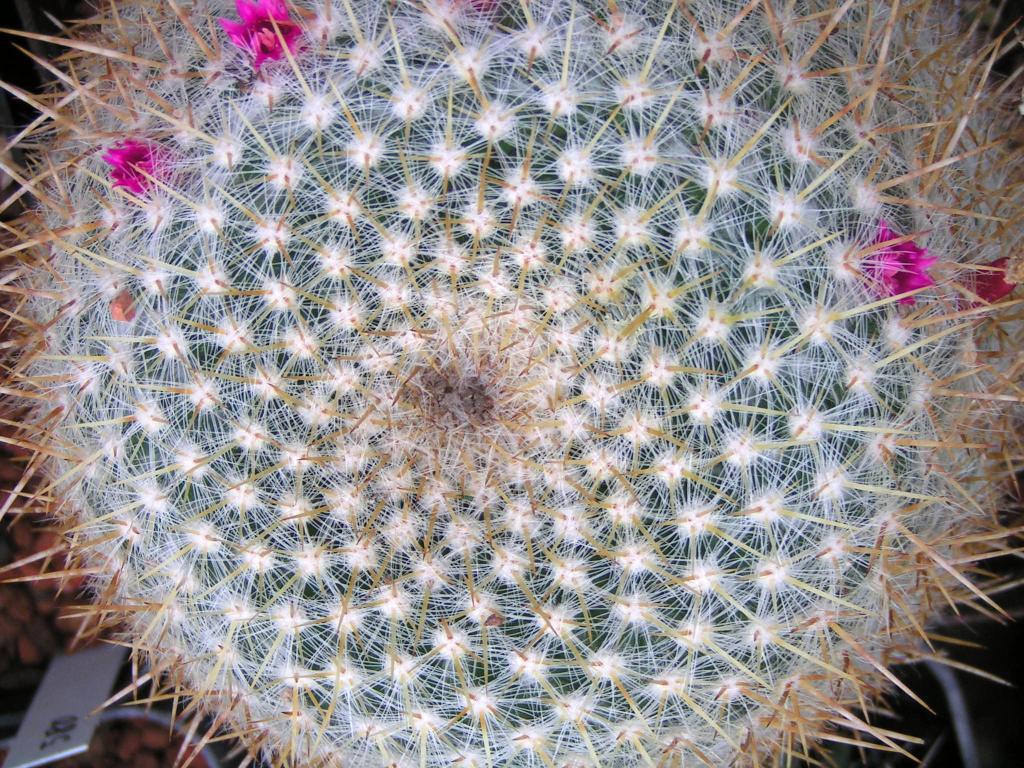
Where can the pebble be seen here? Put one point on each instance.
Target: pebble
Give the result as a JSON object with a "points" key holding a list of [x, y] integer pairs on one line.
{"points": [[31, 627], [130, 743], [19, 678], [154, 738], [42, 634], [45, 607], [23, 535], [19, 606], [67, 622], [29, 652], [9, 630]]}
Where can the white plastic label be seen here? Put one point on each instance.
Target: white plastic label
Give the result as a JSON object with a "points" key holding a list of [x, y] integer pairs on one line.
{"points": [[57, 724]]}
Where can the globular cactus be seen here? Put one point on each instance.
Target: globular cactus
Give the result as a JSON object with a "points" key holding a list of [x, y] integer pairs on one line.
{"points": [[537, 382]]}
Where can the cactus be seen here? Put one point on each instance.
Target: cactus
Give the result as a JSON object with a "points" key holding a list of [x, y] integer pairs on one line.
{"points": [[544, 382]]}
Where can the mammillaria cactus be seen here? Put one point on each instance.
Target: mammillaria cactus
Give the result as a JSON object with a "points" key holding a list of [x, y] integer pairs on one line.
{"points": [[537, 382]]}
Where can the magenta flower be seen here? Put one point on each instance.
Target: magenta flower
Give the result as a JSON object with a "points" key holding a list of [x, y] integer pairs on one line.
{"points": [[255, 33], [898, 267], [133, 165], [990, 284]]}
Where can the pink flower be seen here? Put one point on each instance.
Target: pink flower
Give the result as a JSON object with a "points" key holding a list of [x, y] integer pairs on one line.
{"points": [[990, 284], [133, 165], [898, 267], [256, 34]]}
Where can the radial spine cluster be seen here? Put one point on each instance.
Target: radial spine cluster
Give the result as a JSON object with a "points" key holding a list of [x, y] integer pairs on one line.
{"points": [[511, 384]]}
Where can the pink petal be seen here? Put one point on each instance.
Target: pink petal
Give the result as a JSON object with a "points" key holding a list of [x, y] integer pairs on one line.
{"points": [[249, 14], [131, 164], [256, 33], [235, 31], [898, 267], [275, 9], [991, 284], [884, 233]]}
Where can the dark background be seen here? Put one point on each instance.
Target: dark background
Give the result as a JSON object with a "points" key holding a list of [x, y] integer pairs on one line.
{"points": [[16, 68], [978, 723]]}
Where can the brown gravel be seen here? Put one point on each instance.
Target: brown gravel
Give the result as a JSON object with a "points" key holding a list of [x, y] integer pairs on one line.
{"points": [[36, 621], [130, 743]]}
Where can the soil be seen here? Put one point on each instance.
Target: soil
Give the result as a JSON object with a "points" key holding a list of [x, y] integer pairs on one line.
{"points": [[38, 618], [130, 743]]}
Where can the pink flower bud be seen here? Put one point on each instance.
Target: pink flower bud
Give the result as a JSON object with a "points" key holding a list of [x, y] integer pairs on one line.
{"points": [[990, 284], [122, 307], [133, 165], [896, 267], [256, 33]]}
